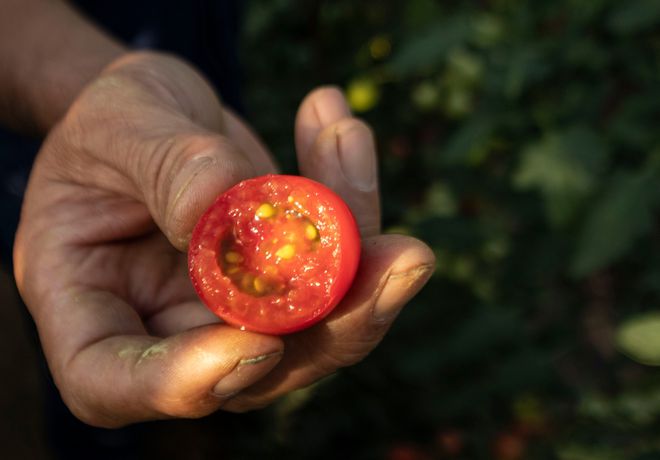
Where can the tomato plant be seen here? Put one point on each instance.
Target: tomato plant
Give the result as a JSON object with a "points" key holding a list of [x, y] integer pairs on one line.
{"points": [[274, 254]]}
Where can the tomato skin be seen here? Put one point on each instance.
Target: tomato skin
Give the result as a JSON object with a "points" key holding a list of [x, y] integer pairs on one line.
{"points": [[301, 288]]}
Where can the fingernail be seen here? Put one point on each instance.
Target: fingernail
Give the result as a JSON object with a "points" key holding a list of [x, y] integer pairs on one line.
{"points": [[357, 157], [246, 372], [399, 289], [330, 106]]}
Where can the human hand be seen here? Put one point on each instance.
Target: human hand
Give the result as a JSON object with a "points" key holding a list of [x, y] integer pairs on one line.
{"points": [[112, 199]]}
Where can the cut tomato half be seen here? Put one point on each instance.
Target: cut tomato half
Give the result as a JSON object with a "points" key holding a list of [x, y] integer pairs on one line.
{"points": [[274, 254]]}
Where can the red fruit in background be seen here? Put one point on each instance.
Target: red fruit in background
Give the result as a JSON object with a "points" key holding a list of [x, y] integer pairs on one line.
{"points": [[406, 452], [400, 147], [509, 446], [274, 254], [450, 442]]}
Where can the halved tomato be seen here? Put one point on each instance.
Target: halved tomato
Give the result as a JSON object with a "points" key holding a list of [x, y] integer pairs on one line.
{"points": [[274, 254]]}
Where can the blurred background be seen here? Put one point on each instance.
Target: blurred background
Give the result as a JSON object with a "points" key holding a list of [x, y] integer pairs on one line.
{"points": [[521, 140]]}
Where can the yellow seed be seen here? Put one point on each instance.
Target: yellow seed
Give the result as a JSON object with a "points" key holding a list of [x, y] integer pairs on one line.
{"points": [[232, 270], [289, 199], [260, 285], [265, 211], [310, 232], [247, 282], [286, 252], [233, 257]]}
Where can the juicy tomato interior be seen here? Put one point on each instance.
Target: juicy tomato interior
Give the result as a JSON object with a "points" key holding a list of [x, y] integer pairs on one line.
{"points": [[274, 254]]}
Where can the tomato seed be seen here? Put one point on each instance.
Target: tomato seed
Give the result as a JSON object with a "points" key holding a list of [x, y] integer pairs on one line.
{"points": [[233, 257], [260, 285], [265, 211], [247, 282], [286, 252], [311, 233]]}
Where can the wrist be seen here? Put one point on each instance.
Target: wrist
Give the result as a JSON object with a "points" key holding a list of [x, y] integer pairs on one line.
{"points": [[62, 79], [48, 53]]}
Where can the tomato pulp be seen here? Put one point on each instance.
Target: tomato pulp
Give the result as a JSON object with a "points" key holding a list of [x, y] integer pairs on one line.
{"points": [[274, 254]]}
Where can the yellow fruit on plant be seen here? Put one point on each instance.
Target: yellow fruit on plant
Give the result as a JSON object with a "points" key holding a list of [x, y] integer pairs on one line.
{"points": [[362, 94], [380, 47]]}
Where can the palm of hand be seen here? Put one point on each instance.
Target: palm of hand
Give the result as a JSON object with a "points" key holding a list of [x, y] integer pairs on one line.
{"points": [[110, 206]]}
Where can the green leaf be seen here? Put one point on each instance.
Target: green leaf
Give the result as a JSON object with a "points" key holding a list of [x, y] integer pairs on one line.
{"points": [[526, 65], [634, 16], [418, 13], [440, 201], [649, 456], [473, 342], [590, 452], [473, 134], [618, 218], [639, 338], [633, 124], [629, 406], [430, 47], [487, 29], [564, 167]]}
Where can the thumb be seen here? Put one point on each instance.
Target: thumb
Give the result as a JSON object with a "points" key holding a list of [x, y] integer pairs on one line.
{"points": [[185, 175], [152, 129]]}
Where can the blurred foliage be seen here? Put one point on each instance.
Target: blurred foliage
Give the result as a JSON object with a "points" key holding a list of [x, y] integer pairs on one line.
{"points": [[520, 139]]}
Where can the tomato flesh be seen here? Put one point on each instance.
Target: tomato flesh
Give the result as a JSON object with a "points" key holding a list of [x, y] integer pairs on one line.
{"points": [[274, 254]]}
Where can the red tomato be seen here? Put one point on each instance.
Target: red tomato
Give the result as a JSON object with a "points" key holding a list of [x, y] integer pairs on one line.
{"points": [[406, 452], [274, 254], [509, 446], [450, 442]]}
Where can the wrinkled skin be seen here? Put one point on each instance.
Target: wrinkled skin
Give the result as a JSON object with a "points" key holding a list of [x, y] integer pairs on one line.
{"points": [[100, 253]]}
